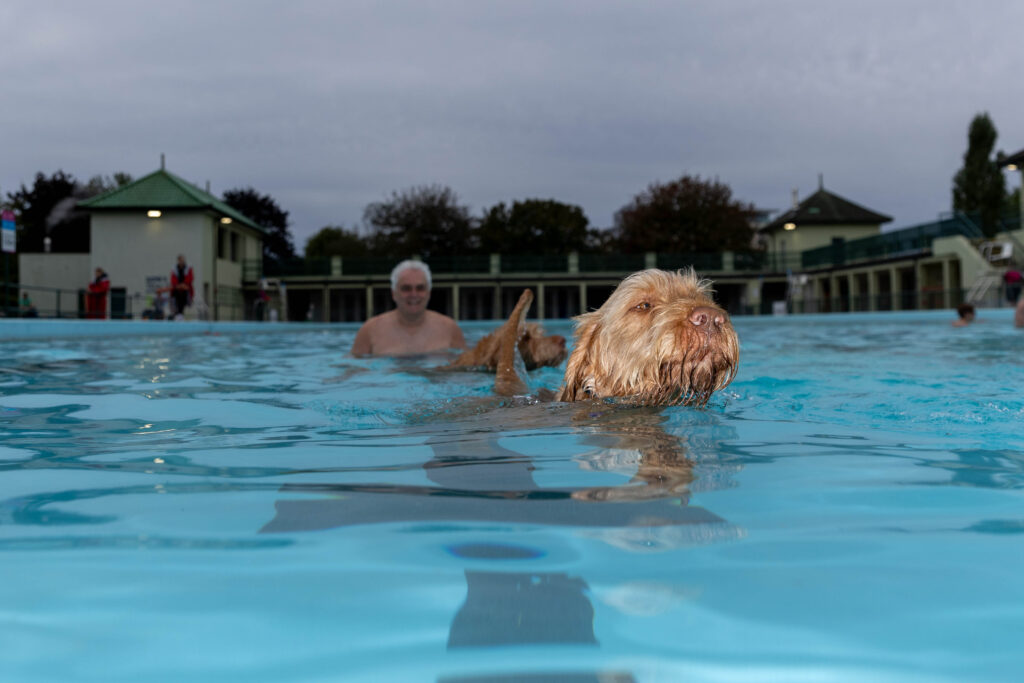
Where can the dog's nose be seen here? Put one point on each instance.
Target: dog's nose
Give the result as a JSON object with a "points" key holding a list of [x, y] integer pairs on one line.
{"points": [[703, 315]]}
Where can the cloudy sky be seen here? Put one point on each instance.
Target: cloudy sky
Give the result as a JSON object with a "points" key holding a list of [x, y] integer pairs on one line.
{"points": [[328, 106]]}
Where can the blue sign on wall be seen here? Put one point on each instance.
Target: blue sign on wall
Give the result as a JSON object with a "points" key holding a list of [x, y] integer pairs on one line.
{"points": [[8, 234]]}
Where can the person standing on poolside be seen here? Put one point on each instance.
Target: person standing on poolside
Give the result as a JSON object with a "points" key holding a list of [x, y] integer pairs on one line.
{"points": [[181, 288], [410, 328], [96, 299]]}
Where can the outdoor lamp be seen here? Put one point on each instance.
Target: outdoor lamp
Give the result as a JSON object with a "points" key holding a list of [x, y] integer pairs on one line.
{"points": [[153, 213]]}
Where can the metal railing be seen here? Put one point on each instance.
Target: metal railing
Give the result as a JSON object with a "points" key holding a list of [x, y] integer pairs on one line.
{"points": [[915, 239], [32, 301], [751, 261], [908, 241]]}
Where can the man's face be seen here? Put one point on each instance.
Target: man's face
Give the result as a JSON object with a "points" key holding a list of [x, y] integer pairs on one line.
{"points": [[412, 294]]}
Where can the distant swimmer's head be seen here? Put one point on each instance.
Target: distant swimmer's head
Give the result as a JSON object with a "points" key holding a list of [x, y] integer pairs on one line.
{"points": [[965, 311], [410, 287]]}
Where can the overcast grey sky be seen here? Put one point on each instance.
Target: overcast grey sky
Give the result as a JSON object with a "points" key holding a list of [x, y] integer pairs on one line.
{"points": [[330, 106]]}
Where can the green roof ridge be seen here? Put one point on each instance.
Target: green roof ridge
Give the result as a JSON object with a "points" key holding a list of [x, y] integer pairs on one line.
{"points": [[162, 190]]}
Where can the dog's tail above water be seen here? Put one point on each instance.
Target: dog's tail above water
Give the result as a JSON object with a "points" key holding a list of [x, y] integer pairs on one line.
{"points": [[510, 377]]}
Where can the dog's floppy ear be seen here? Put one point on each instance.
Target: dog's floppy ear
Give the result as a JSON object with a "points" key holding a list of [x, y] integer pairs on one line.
{"points": [[529, 332], [580, 366]]}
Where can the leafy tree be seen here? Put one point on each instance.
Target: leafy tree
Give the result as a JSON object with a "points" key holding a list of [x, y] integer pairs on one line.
{"points": [[979, 187], [427, 221], [687, 215], [264, 211], [100, 184], [47, 209], [542, 225], [336, 241], [601, 241]]}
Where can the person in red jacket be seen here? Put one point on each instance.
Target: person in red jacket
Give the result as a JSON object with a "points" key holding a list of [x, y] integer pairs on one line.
{"points": [[181, 286], [96, 299]]}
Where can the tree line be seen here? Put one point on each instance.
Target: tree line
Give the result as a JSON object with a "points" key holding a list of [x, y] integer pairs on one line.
{"points": [[687, 215], [690, 214]]}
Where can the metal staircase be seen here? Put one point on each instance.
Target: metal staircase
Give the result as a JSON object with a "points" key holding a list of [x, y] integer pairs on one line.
{"points": [[982, 285], [1002, 255]]}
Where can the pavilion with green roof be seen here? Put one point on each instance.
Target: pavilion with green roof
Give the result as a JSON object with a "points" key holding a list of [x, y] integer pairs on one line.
{"points": [[138, 230], [820, 219]]}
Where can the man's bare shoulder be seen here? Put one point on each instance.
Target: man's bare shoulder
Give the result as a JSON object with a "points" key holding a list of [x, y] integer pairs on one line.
{"points": [[369, 334], [440, 319], [448, 328], [381, 319]]}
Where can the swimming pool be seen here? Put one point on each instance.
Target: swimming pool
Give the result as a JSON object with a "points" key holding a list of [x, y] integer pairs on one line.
{"points": [[250, 506]]}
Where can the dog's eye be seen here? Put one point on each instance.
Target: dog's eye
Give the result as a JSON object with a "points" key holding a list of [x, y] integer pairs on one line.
{"points": [[642, 306]]}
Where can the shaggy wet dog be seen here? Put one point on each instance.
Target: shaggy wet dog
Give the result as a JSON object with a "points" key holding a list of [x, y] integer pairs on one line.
{"points": [[660, 339]]}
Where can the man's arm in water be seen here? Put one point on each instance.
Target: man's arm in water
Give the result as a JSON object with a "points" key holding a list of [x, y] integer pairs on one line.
{"points": [[458, 339], [362, 345]]}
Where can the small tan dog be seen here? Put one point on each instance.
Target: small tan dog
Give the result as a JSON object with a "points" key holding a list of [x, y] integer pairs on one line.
{"points": [[536, 348], [659, 339]]}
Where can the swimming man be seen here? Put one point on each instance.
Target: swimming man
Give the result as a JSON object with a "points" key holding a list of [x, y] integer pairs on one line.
{"points": [[410, 328]]}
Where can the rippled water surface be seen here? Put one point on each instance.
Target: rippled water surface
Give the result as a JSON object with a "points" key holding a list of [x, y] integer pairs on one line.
{"points": [[258, 507]]}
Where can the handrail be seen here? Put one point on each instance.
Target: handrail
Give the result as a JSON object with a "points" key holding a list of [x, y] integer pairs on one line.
{"points": [[1008, 230], [57, 302]]}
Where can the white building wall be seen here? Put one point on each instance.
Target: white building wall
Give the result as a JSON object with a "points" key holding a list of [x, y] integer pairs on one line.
{"points": [[808, 237], [138, 252], [69, 272], [230, 302]]}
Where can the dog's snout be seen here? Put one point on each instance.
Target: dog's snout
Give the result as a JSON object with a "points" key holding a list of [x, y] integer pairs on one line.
{"points": [[559, 340], [704, 315]]}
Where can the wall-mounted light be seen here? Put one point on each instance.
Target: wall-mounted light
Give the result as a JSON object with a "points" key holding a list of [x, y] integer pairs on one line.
{"points": [[790, 226], [225, 220], [1011, 167], [154, 213]]}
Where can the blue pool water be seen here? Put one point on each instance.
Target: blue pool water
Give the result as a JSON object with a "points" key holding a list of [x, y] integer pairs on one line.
{"points": [[255, 506]]}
